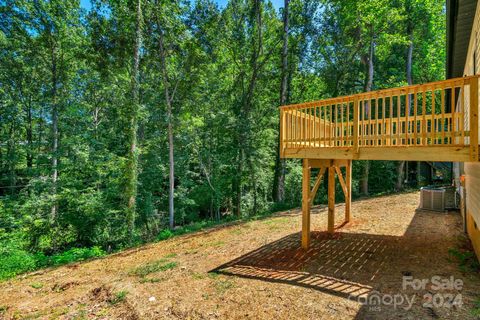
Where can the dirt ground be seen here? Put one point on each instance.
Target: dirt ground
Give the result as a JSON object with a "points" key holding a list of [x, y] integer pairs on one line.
{"points": [[257, 270]]}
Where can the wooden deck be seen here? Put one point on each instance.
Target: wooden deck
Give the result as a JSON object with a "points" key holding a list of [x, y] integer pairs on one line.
{"points": [[435, 121]]}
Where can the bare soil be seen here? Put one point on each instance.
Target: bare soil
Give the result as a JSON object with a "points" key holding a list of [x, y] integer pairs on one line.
{"points": [[257, 270]]}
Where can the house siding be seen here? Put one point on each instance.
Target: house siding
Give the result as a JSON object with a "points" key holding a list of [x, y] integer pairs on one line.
{"points": [[472, 187], [472, 170]]}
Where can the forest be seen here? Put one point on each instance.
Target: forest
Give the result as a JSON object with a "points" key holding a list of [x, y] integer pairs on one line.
{"points": [[129, 121]]}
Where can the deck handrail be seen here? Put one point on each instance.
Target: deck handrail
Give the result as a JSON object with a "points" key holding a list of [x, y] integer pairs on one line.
{"points": [[441, 113]]}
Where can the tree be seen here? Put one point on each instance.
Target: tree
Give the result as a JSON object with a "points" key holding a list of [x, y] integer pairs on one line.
{"points": [[168, 101], [279, 177], [251, 46], [132, 162], [367, 60]]}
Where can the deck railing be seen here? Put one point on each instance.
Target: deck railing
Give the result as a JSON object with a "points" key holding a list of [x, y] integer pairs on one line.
{"points": [[443, 113]]}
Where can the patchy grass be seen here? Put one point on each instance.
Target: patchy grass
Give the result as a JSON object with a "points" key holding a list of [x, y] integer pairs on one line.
{"points": [[216, 243], [35, 315], [192, 227], [198, 275], [81, 312], [236, 231], [276, 221], [150, 280], [222, 285], [464, 255], [120, 296], [152, 267], [103, 313], [36, 285], [3, 309], [213, 275], [475, 311], [59, 312]]}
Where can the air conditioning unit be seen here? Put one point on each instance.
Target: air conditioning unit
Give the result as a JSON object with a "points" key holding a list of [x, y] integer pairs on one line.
{"points": [[432, 199]]}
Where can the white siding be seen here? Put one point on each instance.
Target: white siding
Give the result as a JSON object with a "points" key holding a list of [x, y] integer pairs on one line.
{"points": [[472, 170]]}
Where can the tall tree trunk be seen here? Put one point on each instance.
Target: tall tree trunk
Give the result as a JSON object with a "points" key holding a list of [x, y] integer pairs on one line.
{"points": [[279, 178], [401, 164], [53, 214], [246, 103], [370, 66], [400, 175], [132, 169], [254, 188], [171, 159], [368, 87], [11, 158], [409, 60], [29, 131], [40, 136], [237, 185]]}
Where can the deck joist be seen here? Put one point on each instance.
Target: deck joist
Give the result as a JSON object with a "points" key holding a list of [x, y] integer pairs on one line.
{"points": [[410, 153]]}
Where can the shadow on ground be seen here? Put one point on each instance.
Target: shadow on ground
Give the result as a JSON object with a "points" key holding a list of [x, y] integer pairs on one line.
{"points": [[354, 266], [343, 264]]}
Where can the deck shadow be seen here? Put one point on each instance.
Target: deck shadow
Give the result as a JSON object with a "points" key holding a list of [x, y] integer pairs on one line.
{"points": [[361, 266], [345, 264]]}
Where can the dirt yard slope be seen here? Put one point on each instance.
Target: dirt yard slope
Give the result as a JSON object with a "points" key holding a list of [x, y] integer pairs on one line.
{"points": [[256, 270]]}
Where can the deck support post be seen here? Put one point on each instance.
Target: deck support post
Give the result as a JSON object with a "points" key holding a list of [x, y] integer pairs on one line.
{"points": [[348, 195], [308, 195], [331, 199], [306, 204]]}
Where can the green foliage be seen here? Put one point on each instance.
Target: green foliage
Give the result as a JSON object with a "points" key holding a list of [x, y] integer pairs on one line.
{"points": [[223, 285], [382, 177], [150, 280], [165, 234], [119, 297], [192, 227], [36, 285], [475, 311], [293, 183], [15, 261], [71, 255], [467, 260], [3, 309]]}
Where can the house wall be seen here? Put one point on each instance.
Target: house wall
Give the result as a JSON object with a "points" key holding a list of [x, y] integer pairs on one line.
{"points": [[472, 170], [472, 188]]}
